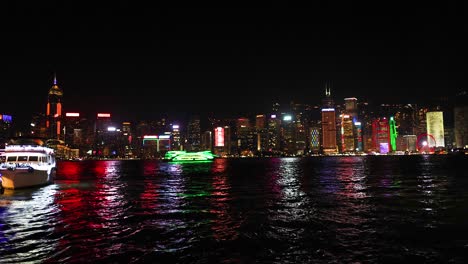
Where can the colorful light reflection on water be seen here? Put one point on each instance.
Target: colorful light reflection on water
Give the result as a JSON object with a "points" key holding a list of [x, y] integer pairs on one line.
{"points": [[277, 210]]}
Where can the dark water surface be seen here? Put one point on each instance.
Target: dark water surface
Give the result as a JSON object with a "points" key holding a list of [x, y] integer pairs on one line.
{"points": [[373, 209]]}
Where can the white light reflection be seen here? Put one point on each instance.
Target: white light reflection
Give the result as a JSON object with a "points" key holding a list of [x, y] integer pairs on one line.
{"points": [[29, 217]]}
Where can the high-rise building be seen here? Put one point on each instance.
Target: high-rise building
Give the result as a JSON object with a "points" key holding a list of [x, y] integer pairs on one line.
{"points": [[358, 142], [5, 129], [347, 133], [77, 132], [260, 121], [127, 134], [193, 134], [393, 133], [54, 112], [329, 131], [381, 135], [461, 126], [246, 137], [176, 140], [274, 128], [420, 126], [435, 127], [262, 133], [351, 107], [410, 143], [328, 123], [206, 141]]}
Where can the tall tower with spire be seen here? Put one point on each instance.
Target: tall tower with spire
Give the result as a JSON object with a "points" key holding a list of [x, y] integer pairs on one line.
{"points": [[327, 101], [328, 123], [54, 111]]}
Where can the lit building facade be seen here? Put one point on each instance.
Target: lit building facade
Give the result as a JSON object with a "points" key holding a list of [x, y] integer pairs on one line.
{"points": [[351, 107], [329, 145], [461, 126], [246, 137], [314, 139], [54, 116], [381, 135], [435, 127], [358, 136], [347, 133], [274, 127], [393, 134], [176, 140], [329, 131], [5, 129]]}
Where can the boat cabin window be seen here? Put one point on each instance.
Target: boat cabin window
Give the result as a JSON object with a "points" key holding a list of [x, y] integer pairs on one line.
{"points": [[33, 158], [22, 158], [11, 158]]}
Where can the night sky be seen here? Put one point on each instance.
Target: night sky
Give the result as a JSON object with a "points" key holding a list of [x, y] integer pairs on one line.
{"points": [[138, 62]]}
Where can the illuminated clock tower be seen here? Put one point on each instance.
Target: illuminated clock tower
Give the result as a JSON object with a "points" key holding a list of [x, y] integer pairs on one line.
{"points": [[54, 111]]}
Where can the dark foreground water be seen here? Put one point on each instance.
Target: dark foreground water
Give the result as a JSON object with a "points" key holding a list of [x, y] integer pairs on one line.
{"points": [[374, 209]]}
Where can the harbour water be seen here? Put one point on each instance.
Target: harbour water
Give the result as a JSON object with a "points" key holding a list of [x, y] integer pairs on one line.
{"points": [[366, 209]]}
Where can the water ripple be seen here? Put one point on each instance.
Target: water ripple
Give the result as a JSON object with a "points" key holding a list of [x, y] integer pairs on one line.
{"points": [[278, 210]]}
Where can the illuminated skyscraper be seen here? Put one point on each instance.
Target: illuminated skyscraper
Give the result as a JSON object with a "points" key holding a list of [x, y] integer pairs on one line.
{"points": [[246, 138], [260, 121], [358, 136], [381, 135], [328, 124], [274, 126], [262, 132], [347, 135], [176, 143], [351, 107], [54, 111], [314, 127], [435, 127], [393, 134]]}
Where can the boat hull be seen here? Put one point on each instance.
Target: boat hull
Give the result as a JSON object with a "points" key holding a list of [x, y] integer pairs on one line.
{"points": [[24, 178]]}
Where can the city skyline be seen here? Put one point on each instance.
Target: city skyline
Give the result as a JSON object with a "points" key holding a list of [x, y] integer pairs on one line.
{"points": [[140, 64]]}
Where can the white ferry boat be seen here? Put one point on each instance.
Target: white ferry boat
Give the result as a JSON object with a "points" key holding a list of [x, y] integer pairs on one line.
{"points": [[27, 165]]}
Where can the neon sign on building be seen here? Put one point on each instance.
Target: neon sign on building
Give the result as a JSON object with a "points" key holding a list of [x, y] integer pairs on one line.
{"points": [[219, 137]]}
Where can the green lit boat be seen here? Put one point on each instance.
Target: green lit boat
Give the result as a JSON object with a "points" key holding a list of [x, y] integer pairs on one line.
{"points": [[182, 156]]}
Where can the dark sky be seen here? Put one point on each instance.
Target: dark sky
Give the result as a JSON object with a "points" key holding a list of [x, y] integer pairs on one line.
{"points": [[139, 61]]}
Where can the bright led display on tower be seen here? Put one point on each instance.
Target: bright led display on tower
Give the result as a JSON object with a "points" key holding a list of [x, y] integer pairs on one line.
{"points": [[103, 115], [287, 118], [72, 114], [384, 148], [219, 137], [6, 118]]}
